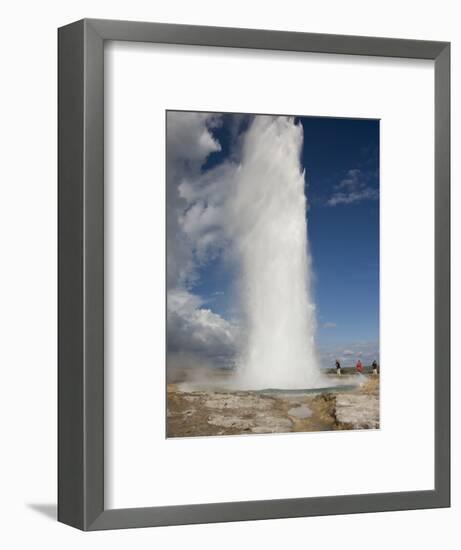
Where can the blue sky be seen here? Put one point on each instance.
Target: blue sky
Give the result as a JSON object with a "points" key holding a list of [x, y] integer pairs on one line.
{"points": [[341, 160], [343, 154]]}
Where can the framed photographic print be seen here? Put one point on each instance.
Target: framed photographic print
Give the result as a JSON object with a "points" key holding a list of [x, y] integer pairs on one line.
{"points": [[253, 274]]}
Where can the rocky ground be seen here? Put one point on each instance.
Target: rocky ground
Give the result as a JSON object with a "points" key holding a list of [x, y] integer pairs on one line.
{"points": [[204, 413]]}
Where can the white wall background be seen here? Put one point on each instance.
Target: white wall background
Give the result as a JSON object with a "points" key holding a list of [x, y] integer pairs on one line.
{"points": [[28, 271]]}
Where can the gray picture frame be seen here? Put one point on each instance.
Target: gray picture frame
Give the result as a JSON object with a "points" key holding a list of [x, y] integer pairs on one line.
{"points": [[81, 274]]}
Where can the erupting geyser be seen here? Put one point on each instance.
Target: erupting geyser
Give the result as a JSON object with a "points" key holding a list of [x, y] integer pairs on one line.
{"points": [[271, 249]]}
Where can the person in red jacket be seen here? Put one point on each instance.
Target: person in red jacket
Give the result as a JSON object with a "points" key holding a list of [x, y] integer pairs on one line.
{"points": [[359, 366]]}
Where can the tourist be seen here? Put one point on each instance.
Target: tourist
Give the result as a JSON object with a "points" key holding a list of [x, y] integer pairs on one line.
{"points": [[359, 367], [375, 367], [338, 368]]}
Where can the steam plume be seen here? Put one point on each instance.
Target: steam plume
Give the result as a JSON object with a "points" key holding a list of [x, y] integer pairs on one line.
{"points": [[270, 244]]}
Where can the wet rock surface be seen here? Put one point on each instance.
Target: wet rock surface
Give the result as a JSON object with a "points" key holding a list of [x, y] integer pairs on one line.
{"points": [[207, 413], [300, 411]]}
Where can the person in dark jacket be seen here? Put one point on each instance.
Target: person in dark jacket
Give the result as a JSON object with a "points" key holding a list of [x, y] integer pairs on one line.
{"points": [[338, 368]]}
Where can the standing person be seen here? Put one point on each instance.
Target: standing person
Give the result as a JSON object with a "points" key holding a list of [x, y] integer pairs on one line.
{"points": [[375, 367], [359, 367], [338, 368]]}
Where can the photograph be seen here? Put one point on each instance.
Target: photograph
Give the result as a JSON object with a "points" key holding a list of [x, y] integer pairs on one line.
{"points": [[272, 274]]}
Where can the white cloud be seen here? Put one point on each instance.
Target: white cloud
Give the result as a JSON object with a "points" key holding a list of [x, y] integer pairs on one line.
{"points": [[198, 331], [195, 199], [194, 235], [204, 218], [189, 142], [353, 188], [188, 138], [329, 325]]}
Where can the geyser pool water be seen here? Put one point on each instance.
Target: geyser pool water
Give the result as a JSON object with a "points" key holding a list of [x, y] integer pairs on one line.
{"points": [[271, 248]]}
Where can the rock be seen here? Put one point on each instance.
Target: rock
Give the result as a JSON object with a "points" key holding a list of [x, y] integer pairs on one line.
{"points": [[357, 411], [226, 412], [272, 424], [230, 421], [232, 401]]}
